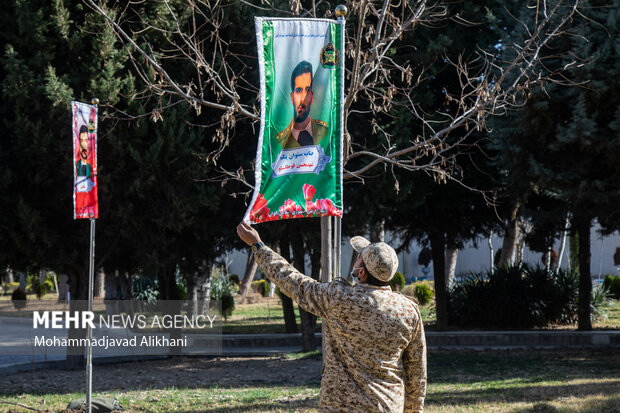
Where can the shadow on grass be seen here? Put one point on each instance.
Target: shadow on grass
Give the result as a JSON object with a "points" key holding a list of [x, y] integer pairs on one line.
{"points": [[524, 365], [611, 405], [308, 403], [176, 373], [537, 394]]}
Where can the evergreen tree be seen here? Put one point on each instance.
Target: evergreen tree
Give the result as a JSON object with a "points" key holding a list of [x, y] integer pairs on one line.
{"points": [[563, 143]]}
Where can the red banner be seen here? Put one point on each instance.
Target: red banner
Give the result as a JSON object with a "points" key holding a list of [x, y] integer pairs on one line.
{"points": [[85, 200]]}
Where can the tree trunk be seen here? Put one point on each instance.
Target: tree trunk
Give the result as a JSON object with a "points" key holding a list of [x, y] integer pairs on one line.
{"points": [[125, 284], [168, 291], [75, 353], [511, 238], [563, 244], [204, 293], [63, 288], [438, 243], [78, 287], [202, 300], [250, 271], [491, 254], [377, 231], [191, 283], [326, 249], [99, 283], [111, 293], [573, 251], [9, 273], [450, 266], [22, 281], [290, 324], [166, 279], [307, 322], [55, 278], [520, 249], [585, 280], [199, 289], [315, 264], [509, 245]]}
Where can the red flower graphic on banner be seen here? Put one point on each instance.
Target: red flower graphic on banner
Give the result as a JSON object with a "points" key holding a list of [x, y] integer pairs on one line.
{"points": [[308, 195], [324, 207], [308, 192], [321, 208], [291, 210], [260, 211]]}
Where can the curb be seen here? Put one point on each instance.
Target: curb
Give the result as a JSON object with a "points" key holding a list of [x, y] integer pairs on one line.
{"points": [[461, 339]]}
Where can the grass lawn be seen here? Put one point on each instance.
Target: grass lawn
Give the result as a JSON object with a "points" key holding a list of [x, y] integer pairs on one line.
{"points": [[263, 317], [579, 381], [612, 316], [266, 317]]}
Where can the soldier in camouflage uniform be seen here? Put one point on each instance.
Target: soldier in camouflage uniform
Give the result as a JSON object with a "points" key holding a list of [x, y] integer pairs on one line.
{"points": [[375, 351]]}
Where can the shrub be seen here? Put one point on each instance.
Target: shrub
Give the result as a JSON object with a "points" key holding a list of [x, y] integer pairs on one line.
{"points": [[397, 282], [423, 293], [13, 286], [514, 297], [49, 283], [38, 287], [233, 278], [254, 286], [600, 297], [224, 291], [614, 288], [408, 290], [145, 288], [182, 291], [263, 287], [19, 298], [228, 305]]}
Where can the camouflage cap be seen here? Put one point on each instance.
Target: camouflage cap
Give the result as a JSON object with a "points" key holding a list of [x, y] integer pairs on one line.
{"points": [[380, 259]]}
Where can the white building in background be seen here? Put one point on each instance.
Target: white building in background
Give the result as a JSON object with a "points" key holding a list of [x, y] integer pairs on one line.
{"points": [[471, 259]]}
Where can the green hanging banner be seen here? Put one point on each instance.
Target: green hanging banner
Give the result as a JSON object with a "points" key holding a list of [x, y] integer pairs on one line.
{"points": [[299, 155]]}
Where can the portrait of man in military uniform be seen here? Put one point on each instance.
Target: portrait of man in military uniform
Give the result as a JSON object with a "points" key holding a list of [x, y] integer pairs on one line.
{"points": [[82, 167], [302, 131]]}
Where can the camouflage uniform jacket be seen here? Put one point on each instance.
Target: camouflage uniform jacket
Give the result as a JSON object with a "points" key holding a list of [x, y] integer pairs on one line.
{"points": [[375, 352]]}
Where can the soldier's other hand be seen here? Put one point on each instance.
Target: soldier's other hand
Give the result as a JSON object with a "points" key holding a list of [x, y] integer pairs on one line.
{"points": [[247, 234]]}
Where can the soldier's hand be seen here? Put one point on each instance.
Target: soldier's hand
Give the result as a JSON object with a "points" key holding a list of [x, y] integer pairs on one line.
{"points": [[247, 234]]}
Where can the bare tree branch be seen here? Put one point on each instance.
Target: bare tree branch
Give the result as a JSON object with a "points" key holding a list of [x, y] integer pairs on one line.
{"points": [[379, 81]]}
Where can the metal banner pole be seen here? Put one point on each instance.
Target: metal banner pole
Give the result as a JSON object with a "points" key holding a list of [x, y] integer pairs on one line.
{"points": [[337, 239], [335, 248], [338, 253], [89, 348], [91, 277], [326, 262], [341, 15]]}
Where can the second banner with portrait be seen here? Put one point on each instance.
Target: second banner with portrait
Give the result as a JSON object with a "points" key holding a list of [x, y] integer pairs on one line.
{"points": [[299, 155]]}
